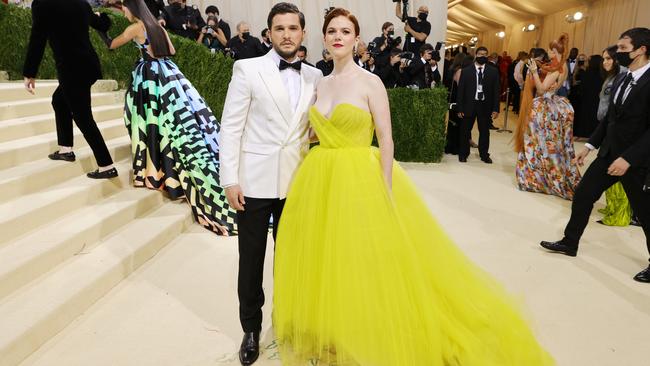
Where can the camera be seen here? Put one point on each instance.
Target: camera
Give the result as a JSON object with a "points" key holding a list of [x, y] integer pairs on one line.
{"points": [[405, 9], [373, 49], [328, 10], [406, 58]]}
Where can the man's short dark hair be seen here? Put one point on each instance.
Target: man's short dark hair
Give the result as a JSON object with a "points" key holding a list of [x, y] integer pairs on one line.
{"points": [[303, 49], [639, 37], [212, 9], [395, 51], [425, 47], [386, 26], [482, 48], [436, 56], [264, 32], [285, 8]]}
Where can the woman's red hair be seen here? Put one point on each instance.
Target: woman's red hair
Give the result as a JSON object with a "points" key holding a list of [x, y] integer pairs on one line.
{"points": [[340, 12]]}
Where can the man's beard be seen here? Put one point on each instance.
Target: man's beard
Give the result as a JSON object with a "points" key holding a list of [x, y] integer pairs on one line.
{"points": [[286, 55]]}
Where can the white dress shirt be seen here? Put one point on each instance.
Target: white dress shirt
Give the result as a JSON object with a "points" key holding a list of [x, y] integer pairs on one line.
{"points": [[479, 68], [636, 75], [290, 78], [519, 73]]}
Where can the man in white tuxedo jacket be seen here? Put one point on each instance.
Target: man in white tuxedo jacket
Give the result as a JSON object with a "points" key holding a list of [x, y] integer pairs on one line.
{"points": [[264, 137]]}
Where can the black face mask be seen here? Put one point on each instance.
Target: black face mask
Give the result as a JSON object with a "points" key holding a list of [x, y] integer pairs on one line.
{"points": [[391, 33], [624, 59], [482, 60], [177, 6], [246, 35], [423, 16]]}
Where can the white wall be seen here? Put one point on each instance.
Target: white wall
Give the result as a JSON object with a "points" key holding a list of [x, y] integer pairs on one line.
{"points": [[371, 14]]}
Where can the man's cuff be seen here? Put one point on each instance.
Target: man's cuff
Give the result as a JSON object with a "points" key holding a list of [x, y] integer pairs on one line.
{"points": [[590, 146]]}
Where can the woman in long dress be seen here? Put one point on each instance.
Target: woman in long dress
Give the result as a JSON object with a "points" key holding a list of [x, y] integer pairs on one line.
{"points": [[544, 134], [173, 131], [618, 211], [363, 273]]}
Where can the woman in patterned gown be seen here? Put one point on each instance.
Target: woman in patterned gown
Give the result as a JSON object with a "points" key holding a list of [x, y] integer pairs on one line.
{"points": [[173, 132], [544, 135]]}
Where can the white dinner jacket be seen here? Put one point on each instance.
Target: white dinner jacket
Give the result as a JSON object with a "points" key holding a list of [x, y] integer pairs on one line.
{"points": [[262, 140]]}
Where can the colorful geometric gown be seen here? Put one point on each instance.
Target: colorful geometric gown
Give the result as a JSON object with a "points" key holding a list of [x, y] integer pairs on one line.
{"points": [[174, 141], [366, 276], [546, 164]]}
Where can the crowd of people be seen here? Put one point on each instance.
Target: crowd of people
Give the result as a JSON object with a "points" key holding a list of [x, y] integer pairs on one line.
{"points": [[254, 167]]}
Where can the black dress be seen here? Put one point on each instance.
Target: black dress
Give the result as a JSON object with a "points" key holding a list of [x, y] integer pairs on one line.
{"points": [[453, 124], [587, 119]]}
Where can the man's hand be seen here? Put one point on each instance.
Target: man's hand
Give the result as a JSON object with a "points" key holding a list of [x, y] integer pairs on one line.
{"points": [[162, 22], [618, 168], [495, 115], [30, 84], [235, 197], [407, 28], [581, 156]]}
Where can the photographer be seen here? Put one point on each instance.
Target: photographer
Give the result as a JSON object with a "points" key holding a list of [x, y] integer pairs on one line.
{"points": [[243, 45], [384, 44], [326, 65], [391, 75], [417, 29], [419, 70], [212, 36], [182, 20], [213, 11], [266, 40]]}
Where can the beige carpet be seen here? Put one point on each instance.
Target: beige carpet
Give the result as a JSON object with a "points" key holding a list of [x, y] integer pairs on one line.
{"points": [[181, 308]]}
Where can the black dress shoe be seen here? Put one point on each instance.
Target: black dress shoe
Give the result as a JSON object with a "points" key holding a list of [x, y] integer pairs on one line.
{"points": [[462, 160], [250, 348], [560, 247], [107, 174], [493, 127], [65, 156], [643, 276], [487, 160]]}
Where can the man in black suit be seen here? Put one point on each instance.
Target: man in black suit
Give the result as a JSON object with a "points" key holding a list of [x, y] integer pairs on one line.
{"points": [[77, 68], [623, 139], [478, 99], [419, 71], [183, 20], [326, 65]]}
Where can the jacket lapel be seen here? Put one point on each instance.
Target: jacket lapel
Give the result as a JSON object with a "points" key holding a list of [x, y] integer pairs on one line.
{"points": [[306, 94], [637, 87], [273, 81]]}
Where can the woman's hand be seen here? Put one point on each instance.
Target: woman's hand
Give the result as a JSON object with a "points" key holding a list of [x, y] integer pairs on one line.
{"points": [[532, 66]]}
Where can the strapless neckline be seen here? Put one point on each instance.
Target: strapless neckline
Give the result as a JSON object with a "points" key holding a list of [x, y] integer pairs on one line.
{"points": [[336, 109]]}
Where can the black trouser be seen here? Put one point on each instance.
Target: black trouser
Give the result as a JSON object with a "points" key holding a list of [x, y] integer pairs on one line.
{"points": [[484, 116], [72, 101], [515, 97], [253, 224], [591, 187]]}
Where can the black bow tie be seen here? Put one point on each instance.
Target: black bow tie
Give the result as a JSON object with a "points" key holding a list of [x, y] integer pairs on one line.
{"points": [[572, 61], [285, 65]]}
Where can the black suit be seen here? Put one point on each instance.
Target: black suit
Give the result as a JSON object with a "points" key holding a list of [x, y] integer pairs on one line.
{"points": [[420, 75], [624, 133], [473, 109], [326, 67], [64, 24]]}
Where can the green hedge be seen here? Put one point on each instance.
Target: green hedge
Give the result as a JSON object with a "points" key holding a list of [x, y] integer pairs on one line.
{"points": [[418, 116]]}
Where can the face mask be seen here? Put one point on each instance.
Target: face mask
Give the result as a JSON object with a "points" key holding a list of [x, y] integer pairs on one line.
{"points": [[423, 16], [176, 6], [391, 33], [624, 58], [581, 62], [482, 60], [246, 35]]}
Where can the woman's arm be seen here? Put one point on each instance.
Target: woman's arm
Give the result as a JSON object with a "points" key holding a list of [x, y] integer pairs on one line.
{"points": [[380, 110], [549, 81], [128, 35]]}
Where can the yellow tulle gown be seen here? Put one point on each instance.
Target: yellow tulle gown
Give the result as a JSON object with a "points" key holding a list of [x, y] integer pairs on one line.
{"points": [[367, 277]]}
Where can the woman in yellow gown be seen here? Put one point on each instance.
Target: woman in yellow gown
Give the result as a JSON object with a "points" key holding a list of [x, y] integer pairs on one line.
{"points": [[363, 273]]}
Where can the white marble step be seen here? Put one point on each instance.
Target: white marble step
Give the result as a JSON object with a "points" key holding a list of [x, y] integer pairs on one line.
{"points": [[38, 311], [31, 107]]}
